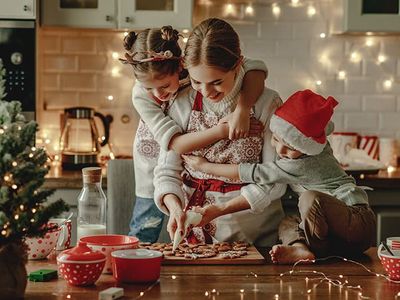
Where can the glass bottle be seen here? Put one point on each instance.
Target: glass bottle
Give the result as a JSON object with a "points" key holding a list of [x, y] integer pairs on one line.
{"points": [[92, 204]]}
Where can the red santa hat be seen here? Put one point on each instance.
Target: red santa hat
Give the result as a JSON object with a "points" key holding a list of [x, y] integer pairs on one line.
{"points": [[302, 119]]}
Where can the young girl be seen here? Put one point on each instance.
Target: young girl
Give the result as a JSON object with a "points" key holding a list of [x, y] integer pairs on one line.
{"points": [[156, 60], [335, 218], [213, 59]]}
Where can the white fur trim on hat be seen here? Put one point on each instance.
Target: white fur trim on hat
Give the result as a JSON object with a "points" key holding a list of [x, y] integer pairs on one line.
{"points": [[294, 137]]}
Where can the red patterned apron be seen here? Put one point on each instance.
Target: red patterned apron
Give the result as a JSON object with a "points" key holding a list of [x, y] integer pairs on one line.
{"points": [[223, 151]]}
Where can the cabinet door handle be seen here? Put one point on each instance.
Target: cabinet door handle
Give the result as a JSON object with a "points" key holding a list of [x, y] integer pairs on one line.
{"points": [[108, 18], [128, 19], [26, 7]]}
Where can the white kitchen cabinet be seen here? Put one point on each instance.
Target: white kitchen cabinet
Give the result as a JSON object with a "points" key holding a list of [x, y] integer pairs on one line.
{"points": [[18, 9], [156, 13], [362, 16], [79, 13], [122, 14]]}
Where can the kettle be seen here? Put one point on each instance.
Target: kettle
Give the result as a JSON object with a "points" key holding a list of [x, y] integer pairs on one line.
{"points": [[80, 142]]}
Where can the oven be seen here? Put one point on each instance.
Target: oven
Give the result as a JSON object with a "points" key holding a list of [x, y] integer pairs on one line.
{"points": [[17, 51]]}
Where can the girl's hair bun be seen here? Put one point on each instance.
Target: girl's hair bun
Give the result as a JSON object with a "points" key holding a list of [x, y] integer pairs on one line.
{"points": [[129, 40], [169, 34]]}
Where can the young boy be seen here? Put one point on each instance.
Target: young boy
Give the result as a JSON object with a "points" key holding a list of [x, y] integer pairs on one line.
{"points": [[335, 217]]}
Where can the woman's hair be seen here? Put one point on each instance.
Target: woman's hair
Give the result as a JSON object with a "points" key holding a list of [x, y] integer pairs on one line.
{"points": [[215, 43], [151, 44]]}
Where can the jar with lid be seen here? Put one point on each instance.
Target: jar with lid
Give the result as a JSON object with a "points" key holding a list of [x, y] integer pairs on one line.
{"points": [[92, 204]]}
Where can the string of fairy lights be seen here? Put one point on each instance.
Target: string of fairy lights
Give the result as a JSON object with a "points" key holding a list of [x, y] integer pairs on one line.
{"points": [[338, 281], [8, 180]]}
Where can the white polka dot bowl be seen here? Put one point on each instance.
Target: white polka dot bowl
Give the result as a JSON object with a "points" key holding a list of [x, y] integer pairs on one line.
{"points": [[80, 265], [108, 243], [39, 248], [390, 263]]}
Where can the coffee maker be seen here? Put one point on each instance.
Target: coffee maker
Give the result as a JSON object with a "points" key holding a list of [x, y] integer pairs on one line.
{"points": [[80, 142]]}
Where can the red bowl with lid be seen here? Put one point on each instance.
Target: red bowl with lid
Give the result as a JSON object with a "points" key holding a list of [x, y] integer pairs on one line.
{"points": [[81, 265], [108, 243], [136, 265]]}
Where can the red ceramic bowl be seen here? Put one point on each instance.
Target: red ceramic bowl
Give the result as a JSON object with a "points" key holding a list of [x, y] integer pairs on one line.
{"points": [[108, 243], [80, 265], [136, 265], [390, 263]]}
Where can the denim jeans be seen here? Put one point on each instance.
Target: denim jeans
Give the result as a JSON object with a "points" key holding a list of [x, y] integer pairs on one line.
{"points": [[147, 220]]}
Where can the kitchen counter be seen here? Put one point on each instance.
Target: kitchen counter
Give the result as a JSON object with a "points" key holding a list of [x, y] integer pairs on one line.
{"points": [[57, 178], [382, 180]]}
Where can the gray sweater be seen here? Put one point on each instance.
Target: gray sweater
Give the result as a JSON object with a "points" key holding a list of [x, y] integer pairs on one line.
{"points": [[320, 172]]}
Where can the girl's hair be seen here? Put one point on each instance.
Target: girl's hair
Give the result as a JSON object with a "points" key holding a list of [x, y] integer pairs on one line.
{"points": [[215, 43], [148, 43]]}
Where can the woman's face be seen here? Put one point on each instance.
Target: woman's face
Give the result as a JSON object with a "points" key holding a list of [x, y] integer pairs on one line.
{"points": [[212, 82], [162, 87]]}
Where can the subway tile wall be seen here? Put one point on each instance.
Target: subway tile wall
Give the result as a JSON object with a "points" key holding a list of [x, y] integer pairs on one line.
{"points": [[77, 67]]}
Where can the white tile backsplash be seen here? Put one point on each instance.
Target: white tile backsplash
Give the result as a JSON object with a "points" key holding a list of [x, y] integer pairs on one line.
{"points": [[77, 67]]}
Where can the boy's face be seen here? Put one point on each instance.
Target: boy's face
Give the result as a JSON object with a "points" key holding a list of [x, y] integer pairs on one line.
{"points": [[162, 87], [213, 83], [283, 150]]}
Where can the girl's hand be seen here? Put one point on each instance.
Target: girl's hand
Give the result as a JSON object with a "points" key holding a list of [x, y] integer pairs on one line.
{"points": [[239, 123], [209, 212], [195, 162]]}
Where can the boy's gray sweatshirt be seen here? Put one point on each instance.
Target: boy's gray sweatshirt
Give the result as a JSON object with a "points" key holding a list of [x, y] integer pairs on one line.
{"points": [[320, 172]]}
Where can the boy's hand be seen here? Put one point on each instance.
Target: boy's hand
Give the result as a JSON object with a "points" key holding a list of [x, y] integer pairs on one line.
{"points": [[209, 212], [195, 162]]}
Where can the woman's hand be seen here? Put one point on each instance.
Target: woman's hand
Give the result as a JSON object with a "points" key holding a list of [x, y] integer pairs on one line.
{"points": [[196, 162], [177, 216]]}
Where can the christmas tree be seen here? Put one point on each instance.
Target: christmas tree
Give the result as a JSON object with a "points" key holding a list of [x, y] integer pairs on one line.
{"points": [[23, 212]]}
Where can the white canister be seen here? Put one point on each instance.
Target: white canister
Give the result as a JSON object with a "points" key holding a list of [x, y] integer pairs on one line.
{"points": [[387, 152], [341, 143]]}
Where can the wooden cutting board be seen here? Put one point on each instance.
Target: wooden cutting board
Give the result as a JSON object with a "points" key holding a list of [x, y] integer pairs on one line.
{"points": [[253, 257]]}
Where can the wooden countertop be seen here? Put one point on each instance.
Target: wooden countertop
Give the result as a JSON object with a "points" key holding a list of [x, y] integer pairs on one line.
{"points": [[255, 281]]}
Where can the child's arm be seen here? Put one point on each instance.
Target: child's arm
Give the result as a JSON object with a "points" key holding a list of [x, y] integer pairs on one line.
{"points": [[167, 131], [230, 171], [252, 87], [213, 211]]}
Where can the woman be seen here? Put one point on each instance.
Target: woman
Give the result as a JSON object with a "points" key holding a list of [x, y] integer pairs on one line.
{"points": [[213, 59]]}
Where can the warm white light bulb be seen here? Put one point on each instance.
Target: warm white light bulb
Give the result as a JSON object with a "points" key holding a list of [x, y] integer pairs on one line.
{"points": [[322, 35], [115, 55], [355, 56], [185, 30], [276, 10], [381, 58], [369, 42], [388, 83], [110, 97], [115, 72], [185, 39], [311, 11], [249, 10], [126, 33], [341, 75], [229, 9], [318, 82], [295, 2]]}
